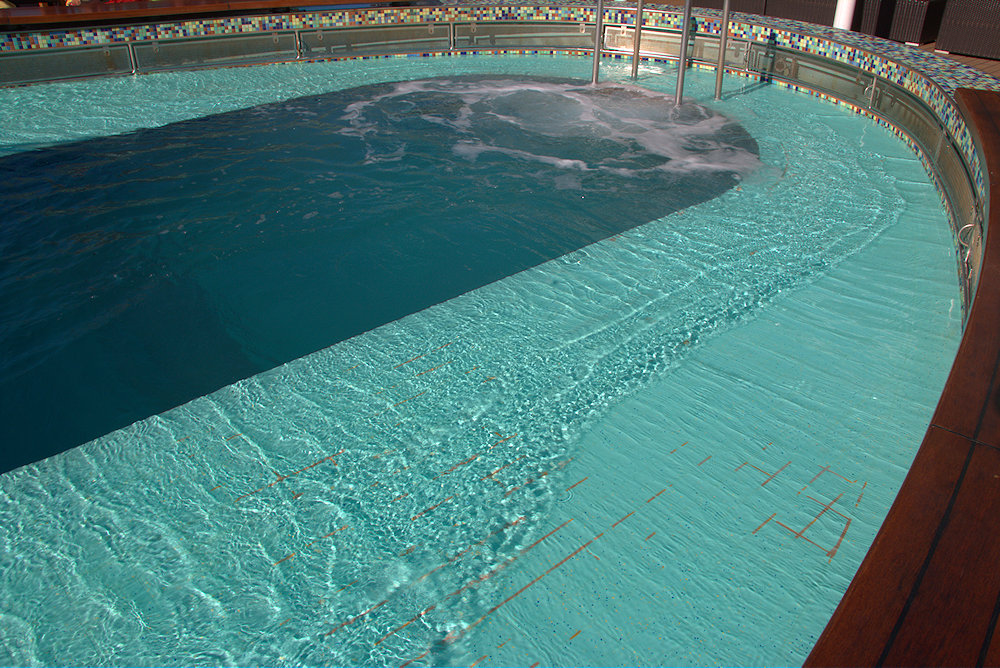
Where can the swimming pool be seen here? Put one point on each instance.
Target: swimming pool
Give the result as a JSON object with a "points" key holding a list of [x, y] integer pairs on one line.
{"points": [[569, 465], [288, 227]]}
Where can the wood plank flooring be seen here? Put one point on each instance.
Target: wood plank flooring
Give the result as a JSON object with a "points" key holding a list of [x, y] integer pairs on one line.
{"points": [[985, 65]]}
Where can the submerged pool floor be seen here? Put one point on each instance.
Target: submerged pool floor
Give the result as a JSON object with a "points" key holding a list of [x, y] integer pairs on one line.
{"points": [[285, 228], [673, 446]]}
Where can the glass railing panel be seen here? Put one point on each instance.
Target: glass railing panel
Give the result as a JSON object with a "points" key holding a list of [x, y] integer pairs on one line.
{"points": [[906, 111], [168, 54], [508, 35], [374, 41], [49, 64], [661, 43], [842, 81]]}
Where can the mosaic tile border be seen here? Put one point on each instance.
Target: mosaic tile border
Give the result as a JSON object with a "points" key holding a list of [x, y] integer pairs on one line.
{"points": [[887, 59]]}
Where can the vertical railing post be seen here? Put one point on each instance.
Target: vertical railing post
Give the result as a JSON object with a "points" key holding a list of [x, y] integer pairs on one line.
{"points": [[682, 64], [723, 43], [636, 37], [844, 14], [598, 39]]}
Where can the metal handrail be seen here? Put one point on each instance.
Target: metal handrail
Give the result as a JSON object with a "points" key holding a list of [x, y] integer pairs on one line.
{"points": [[598, 40], [637, 37], [723, 44], [682, 63]]}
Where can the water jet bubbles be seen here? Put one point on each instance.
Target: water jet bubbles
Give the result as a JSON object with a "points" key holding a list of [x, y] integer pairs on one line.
{"points": [[625, 130]]}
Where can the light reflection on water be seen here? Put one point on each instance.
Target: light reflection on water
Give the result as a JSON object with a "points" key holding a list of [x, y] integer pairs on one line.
{"points": [[395, 496]]}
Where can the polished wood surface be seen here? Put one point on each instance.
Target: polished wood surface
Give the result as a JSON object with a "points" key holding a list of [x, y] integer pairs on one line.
{"points": [[928, 591], [984, 64]]}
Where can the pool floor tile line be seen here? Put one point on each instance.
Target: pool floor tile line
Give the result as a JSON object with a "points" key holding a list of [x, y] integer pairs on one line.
{"points": [[832, 551], [928, 591]]}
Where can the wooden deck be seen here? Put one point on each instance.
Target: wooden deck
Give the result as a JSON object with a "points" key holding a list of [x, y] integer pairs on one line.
{"points": [[988, 66]]}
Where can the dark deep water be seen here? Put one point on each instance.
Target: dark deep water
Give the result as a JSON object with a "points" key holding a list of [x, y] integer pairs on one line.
{"points": [[141, 271]]}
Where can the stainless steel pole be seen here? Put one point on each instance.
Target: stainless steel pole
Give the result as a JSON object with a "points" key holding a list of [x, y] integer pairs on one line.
{"points": [[682, 65], [598, 40], [844, 14], [635, 39], [723, 40]]}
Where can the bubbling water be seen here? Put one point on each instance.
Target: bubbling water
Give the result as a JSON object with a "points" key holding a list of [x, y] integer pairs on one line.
{"points": [[625, 130]]}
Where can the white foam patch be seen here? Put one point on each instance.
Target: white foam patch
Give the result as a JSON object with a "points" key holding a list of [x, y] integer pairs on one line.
{"points": [[620, 129]]}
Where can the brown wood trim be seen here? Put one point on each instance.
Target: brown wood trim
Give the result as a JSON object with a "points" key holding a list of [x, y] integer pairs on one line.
{"points": [[103, 12], [928, 591]]}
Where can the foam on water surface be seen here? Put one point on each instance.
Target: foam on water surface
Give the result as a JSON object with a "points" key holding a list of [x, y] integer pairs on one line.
{"points": [[620, 456]]}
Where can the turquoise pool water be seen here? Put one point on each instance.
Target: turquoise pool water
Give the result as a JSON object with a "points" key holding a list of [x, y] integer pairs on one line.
{"points": [[374, 202], [670, 447]]}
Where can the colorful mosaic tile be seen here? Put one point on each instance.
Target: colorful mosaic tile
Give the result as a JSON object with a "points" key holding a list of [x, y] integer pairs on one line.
{"points": [[887, 59]]}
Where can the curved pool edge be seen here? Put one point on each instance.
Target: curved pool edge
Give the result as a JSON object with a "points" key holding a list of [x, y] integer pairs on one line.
{"points": [[928, 591]]}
